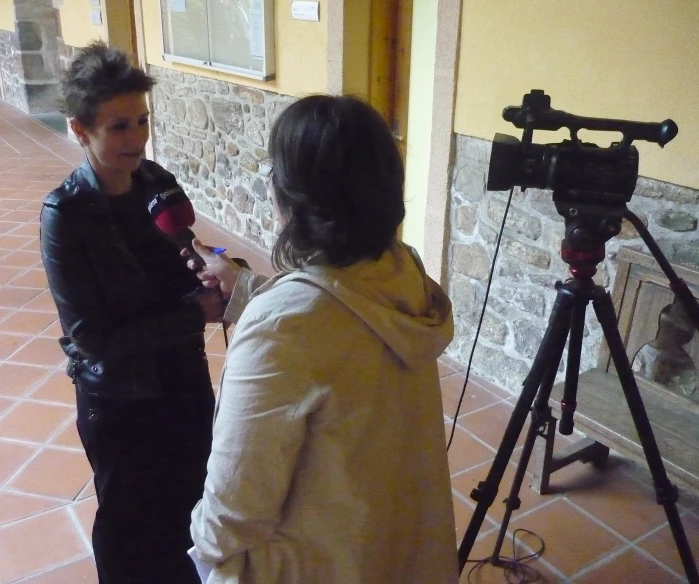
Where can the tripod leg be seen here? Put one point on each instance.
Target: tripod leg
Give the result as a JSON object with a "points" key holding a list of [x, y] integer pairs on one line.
{"points": [[544, 458], [568, 404], [554, 337], [540, 418], [666, 492], [541, 412], [570, 387]]}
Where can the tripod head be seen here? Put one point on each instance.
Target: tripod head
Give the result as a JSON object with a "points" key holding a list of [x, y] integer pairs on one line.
{"points": [[591, 184]]}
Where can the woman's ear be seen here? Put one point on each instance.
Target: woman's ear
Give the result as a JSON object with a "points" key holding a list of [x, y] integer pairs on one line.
{"points": [[79, 130]]}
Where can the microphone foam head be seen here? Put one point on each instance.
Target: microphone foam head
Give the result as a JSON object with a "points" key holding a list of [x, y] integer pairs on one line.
{"points": [[175, 219]]}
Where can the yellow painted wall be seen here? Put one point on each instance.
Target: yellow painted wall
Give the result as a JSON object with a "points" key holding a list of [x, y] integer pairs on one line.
{"points": [[76, 23], [118, 16], [356, 46], [7, 15], [626, 59], [420, 97], [301, 48]]}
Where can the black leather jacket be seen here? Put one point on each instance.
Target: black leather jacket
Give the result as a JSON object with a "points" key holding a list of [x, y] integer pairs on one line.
{"points": [[115, 334]]}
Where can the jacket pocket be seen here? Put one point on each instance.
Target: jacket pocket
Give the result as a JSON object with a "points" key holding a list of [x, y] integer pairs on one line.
{"points": [[132, 380]]}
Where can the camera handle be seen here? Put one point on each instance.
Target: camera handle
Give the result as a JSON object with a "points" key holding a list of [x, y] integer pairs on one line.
{"points": [[536, 113]]}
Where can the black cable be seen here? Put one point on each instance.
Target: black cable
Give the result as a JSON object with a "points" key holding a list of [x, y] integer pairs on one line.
{"points": [[223, 324], [480, 320], [514, 567], [243, 264]]}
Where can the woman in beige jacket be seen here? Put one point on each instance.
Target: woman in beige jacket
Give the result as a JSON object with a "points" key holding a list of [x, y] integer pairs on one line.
{"points": [[328, 463]]}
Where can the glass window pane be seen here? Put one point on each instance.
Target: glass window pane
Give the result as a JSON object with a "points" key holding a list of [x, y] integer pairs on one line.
{"points": [[185, 28], [237, 35]]}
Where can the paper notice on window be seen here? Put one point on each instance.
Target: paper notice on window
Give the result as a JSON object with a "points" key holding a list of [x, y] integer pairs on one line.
{"points": [[178, 5], [96, 16], [257, 29]]}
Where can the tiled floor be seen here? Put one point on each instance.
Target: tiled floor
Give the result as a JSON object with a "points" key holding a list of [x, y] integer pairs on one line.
{"points": [[598, 528]]}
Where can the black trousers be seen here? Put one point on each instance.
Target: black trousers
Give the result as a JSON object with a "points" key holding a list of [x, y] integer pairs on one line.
{"points": [[149, 459]]}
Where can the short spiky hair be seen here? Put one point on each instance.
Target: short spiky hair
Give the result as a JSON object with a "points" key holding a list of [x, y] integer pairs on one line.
{"points": [[97, 74]]}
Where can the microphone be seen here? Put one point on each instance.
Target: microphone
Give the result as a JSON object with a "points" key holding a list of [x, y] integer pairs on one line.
{"points": [[173, 214]]}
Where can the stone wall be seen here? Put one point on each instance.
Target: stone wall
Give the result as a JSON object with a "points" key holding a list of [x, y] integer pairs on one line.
{"points": [[529, 264], [213, 136], [11, 73]]}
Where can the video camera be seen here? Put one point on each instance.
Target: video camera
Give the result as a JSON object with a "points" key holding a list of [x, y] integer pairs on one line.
{"points": [[591, 184]]}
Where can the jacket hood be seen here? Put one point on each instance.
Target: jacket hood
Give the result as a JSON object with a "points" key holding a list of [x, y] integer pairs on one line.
{"points": [[395, 298]]}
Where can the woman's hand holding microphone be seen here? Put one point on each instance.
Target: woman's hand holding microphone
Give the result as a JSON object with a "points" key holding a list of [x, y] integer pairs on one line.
{"points": [[218, 275], [219, 271]]}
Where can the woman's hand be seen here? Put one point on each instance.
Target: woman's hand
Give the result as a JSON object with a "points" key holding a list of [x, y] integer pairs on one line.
{"points": [[219, 271]]}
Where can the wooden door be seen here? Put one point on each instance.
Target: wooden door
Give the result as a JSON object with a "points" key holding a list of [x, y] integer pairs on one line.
{"points": [[137, 32], [389, 64]]}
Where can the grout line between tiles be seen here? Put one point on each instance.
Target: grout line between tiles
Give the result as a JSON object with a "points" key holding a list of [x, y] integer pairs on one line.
{"points": [[70, 509], [605, 559], [41, 445], [18, 334], [18, 129], [45, 402], [59, 502], [484, 388], [651, 532], [48, 371], [10, 408], [563, 579], [484, 464], [82, 490], [476, 438], [485, 407], [594, 519], [627, 543], [33, 515], [23, 466], [62, 428], [51, 567], [620, 551], [11, 361]]}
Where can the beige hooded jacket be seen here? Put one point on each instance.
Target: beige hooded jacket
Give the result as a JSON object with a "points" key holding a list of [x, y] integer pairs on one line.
{"points": [[329, 463]]}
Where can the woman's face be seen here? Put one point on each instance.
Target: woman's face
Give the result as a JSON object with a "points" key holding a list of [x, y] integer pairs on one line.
{"points": [[116, 142]]}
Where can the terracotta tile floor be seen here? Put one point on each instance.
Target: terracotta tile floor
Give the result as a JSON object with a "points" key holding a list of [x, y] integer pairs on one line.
{"points": [[598, 528]]}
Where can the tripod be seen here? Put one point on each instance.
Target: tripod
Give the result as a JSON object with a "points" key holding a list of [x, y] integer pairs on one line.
{"points": [[582, 250]]}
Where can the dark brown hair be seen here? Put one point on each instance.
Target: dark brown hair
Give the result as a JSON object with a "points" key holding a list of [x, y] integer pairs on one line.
{"points": [[97, 74], [337, 177]]}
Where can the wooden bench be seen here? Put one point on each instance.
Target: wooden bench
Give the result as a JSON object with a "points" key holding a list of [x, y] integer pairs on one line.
{"points": [[640, 294]]}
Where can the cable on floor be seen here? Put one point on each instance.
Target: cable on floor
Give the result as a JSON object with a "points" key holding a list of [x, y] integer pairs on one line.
{"points": [[514, 567]]}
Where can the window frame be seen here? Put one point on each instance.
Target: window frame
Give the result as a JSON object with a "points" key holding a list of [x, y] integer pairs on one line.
{"points": [[268, 72]]}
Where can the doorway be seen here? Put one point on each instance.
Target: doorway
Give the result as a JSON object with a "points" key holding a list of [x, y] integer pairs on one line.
{"points": [[389, 64]]}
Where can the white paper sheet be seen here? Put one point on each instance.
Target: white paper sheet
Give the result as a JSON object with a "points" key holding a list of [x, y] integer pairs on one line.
{"points": [[257, 29], [203, 568]]}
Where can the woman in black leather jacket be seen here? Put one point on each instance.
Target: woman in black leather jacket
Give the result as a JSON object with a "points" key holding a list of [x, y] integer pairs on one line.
{"points": [[133, 318]]}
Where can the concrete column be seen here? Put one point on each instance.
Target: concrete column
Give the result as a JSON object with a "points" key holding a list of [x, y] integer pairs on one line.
{"points": [[35, 49]]}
